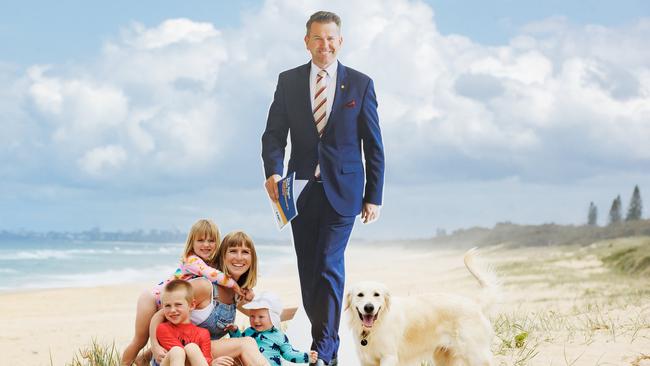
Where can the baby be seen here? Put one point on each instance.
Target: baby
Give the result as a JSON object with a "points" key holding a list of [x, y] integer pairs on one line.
{"points": [[264, 318]]}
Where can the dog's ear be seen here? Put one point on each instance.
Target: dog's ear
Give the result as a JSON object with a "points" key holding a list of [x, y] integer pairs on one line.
{"points": [[387, 300], [348, 300]]}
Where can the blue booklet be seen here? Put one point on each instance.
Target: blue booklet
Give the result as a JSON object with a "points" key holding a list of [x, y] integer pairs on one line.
{"points": [[284, 209]]}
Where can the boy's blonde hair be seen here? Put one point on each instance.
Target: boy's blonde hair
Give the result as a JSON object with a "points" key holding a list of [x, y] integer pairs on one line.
{"points": [[203, 228], [180, 285], [239, 239]]}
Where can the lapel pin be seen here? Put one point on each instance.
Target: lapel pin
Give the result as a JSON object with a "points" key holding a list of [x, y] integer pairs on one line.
{"points": [[342, 86]]}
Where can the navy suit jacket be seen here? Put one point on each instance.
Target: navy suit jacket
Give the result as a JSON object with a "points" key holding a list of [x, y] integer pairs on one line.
{"points": [[352, 125]]}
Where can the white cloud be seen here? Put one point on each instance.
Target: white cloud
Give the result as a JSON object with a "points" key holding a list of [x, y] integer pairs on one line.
{"points": [[189, 137], [103, 160], [551, 25], [152, 93], [170, 32], [527, 68], [46, 93], [82, 109]]}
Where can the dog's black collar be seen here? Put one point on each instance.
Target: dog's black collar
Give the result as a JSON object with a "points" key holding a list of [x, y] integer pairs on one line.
{"points": [[364, 335]]}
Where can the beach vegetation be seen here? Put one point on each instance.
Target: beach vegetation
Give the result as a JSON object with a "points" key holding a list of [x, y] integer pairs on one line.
{"points": [[512, 332], [96, 354], [631, 258], [508, 235], [641, 358], [615, 211], [636, 206], [592, 215], [603, 302]]}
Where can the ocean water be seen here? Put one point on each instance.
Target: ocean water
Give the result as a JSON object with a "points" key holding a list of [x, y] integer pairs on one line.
{"points": [[26, 265]]}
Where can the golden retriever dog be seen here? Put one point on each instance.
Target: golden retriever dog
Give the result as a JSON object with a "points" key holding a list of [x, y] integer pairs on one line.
{"points": [[444, 328]]}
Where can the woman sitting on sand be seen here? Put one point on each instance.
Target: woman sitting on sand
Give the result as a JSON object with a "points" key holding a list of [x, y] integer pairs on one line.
{"points": [[217, 305], [197, 261]]}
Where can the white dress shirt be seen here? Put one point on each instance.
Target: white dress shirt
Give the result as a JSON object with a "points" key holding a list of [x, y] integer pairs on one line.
{"points": [[330, 81]]}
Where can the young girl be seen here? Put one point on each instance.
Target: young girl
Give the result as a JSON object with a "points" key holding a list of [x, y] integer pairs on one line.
{"points": [[200, 250], [237, 258]]}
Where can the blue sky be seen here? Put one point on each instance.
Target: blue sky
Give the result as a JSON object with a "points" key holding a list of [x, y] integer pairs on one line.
{"points": [[148, 114], [33, 31]]}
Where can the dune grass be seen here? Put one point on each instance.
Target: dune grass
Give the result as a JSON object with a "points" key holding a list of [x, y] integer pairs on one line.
{"points": [[603, 301], [96, 354], [520, 335], [631, 258]]}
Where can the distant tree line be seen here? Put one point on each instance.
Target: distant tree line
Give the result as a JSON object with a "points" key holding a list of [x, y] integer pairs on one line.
{"points": [[634, 210]]}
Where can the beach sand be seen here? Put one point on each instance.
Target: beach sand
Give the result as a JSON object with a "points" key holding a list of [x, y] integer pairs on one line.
{"points": [[574, 312]]}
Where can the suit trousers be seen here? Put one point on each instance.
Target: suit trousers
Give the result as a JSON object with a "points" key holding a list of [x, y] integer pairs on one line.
{"points": [[320, 236]]}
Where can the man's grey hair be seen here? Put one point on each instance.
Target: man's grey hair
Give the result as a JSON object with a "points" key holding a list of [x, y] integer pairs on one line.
{"points": [[323, 17]]}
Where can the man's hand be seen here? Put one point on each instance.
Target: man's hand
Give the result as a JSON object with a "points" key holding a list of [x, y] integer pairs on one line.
{"points": [[272, 187], [369, 212], [223, 361], [313, 356]]}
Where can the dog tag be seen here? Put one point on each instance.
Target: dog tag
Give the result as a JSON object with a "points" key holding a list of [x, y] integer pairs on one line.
{"points": [[364, 342]]}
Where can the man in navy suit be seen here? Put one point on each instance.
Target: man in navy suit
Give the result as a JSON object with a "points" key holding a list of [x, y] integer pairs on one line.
{"points": [[331, 111]]}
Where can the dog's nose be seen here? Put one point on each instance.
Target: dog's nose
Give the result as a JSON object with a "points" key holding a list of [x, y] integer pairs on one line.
{"points": [[369, 308]]}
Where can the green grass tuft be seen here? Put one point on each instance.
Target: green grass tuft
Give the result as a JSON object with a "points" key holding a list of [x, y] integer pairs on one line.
{"points": [[96, 355]]}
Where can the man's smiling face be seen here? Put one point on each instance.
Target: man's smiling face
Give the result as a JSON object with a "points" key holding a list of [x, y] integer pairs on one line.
{"points": [[323, 42]]}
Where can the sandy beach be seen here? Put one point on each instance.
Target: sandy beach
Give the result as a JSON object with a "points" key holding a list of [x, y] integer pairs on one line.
{"points": [[573, 310]]}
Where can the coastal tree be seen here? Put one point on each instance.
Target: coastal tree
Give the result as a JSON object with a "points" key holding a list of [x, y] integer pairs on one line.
{"points": [[636, 206], [615, 211], [592, 216]]}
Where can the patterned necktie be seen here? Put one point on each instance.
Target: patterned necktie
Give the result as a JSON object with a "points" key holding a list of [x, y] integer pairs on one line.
{"points": [[320, 108]]}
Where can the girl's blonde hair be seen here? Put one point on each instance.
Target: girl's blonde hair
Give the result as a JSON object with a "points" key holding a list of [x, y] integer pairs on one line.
{"points": [[239, 239], [203, 228]]}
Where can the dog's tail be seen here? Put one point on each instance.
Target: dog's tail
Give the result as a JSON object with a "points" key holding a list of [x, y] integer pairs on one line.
{"points": [[487, 278]]}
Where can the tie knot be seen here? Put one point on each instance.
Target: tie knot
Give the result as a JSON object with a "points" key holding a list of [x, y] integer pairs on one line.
{"points": [[322, 73]]}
